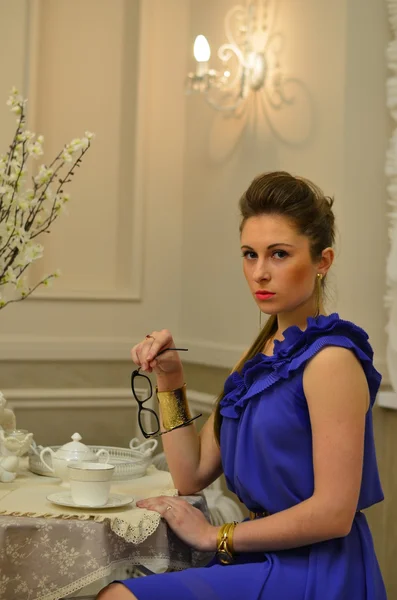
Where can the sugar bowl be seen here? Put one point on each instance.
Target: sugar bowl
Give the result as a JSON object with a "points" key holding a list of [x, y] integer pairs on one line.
{"points": [[75, 451]]}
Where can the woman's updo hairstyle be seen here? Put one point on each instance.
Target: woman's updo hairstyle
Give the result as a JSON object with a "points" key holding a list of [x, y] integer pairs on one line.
{"points": [[295, 198]]}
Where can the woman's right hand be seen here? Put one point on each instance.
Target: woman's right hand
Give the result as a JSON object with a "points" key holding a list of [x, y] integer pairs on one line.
{"points": [[144, 353]]}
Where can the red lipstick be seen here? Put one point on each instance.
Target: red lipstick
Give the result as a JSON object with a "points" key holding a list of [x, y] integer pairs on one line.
{"points": [[264, 295]]}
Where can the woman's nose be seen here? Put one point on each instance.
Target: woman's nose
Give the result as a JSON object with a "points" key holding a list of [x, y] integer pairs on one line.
{"points": [[261, 273]]}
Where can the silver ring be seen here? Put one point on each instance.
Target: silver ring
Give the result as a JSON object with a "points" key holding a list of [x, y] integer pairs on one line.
{"points": [[168, 508]]}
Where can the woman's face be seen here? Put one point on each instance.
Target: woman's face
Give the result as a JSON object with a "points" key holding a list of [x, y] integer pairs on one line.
{"points": [[277, 264]]}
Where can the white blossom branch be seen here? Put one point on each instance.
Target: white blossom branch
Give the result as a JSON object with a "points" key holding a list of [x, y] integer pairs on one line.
{"points": [[26, 213]]}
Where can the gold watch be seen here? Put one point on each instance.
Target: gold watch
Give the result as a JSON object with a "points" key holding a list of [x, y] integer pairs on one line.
{"points": [[224, 549]]}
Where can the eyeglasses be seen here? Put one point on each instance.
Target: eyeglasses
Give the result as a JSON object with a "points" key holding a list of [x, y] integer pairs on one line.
{"points": [[148, 419]]}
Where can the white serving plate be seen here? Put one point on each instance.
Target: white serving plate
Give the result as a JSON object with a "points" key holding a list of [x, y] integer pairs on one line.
{"points": [[129, 464]]}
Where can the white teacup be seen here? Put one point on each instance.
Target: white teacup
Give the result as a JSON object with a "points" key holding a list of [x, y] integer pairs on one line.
{"points": [[90, 482]]}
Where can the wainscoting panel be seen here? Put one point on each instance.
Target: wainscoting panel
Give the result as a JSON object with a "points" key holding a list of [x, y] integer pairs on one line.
{"points": [[108, 189]]}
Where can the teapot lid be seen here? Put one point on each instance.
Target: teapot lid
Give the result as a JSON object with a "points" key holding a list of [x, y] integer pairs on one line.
{"points": [[75, 448]]}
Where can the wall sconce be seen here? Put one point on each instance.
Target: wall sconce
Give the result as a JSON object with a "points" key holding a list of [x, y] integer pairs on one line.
{"points": [[250, 60]]}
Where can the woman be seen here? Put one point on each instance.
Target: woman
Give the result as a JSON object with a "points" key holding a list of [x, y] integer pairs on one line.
{"points": [[292, 430]]}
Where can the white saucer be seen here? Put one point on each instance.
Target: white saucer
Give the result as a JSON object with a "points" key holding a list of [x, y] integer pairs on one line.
{"points": [[65, 499]]}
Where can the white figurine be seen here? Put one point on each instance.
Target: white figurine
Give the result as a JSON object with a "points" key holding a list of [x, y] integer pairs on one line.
{"points": [[9, 463], [8, 468], [7, 417]]}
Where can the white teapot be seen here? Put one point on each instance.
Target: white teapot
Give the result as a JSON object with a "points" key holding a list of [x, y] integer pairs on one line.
{"points": [[73, 451]]}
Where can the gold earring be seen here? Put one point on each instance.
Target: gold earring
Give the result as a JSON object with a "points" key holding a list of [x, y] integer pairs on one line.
{"points": [[319, 293]]}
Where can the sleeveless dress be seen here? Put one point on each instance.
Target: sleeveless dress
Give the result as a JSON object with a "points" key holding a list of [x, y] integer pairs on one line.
{"points": [[266, 448]]}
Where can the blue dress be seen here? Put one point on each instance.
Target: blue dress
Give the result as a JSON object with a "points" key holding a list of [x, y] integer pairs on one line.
{"points": [[266, 448]]}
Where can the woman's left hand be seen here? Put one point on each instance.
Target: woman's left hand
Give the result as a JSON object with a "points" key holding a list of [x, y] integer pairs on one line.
{"points": [[189, 523]]}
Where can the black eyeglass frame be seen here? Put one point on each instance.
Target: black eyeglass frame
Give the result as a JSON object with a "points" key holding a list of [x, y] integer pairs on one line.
{"points": [[140, 402]]}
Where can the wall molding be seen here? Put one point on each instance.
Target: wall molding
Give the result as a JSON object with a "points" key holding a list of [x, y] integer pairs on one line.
{"points": [[111, 398], [201, 401], [84, 295], [76, 398], [79, 398], [31, 348], [18, 348], [387, 399]]}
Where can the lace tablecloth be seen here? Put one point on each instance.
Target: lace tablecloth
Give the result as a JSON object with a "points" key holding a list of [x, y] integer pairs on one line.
{"points": [[47, 551]]}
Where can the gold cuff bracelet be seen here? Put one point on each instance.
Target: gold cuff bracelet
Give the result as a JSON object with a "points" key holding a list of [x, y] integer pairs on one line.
{"points": [[175, 411]]}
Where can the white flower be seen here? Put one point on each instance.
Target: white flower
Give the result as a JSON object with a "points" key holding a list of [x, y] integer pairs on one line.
{"points": [[7, 197], [48, 280], [75, 145], [44, 175], [10, 276], [60, 201], [32, 253], [29, 195], [66, 156], [35, 149], [25, 136], [22, 204], [22, 286], [20, 238], [48, 194]]}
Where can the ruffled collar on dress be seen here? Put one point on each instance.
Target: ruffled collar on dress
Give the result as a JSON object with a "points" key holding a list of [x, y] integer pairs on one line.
{"points": [[289, 354]]}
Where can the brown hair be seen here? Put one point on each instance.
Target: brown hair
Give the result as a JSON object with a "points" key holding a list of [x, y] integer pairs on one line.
{"points": [[308, 209]]}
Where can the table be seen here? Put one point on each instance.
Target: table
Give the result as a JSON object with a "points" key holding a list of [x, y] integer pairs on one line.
{"points": [[47, 552]]}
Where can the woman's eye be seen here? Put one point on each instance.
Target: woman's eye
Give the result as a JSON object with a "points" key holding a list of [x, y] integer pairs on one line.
{"points": [[280, 254], [250, 254]]}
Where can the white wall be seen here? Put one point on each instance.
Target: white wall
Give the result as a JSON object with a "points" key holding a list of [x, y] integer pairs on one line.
{"points": [[367, 128], [152, 236], [101, 65], [13, 48], [337, 49]]}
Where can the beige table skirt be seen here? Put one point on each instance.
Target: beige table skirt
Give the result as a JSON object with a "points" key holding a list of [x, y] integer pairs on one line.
{"points": [[47, 552]]}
